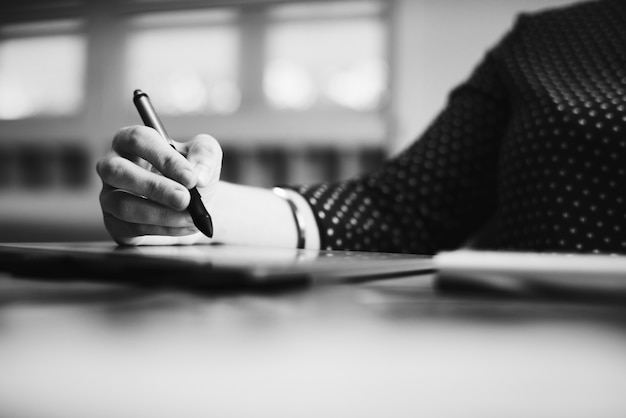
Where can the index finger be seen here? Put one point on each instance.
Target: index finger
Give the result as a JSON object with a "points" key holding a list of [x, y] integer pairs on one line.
{"points": [[146, 143]]}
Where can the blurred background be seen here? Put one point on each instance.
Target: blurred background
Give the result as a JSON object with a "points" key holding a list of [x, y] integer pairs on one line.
{"points": [[296, 91]]}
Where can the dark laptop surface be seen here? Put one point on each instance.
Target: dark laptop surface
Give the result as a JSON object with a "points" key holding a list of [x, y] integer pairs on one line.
{"points": [[203, 265]]}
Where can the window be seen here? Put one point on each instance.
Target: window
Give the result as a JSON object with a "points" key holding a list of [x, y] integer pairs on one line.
{"points": [[42, 70], [187, 61], [277, 84], [323, 55], [295, 91]]}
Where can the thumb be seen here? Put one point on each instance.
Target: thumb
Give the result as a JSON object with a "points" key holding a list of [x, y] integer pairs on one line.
{"points": [[205, 155]]}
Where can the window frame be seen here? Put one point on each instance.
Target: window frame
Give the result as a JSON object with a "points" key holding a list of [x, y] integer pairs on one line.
{"points": [[101, 111]]}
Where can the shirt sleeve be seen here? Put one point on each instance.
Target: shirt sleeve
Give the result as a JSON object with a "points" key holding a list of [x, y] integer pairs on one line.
{"points": [[434, 194]]}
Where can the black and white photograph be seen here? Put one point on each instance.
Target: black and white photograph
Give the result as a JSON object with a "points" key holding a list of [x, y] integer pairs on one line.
{"points": [[312, 208]]}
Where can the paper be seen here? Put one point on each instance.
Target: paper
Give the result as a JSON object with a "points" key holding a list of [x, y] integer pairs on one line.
{"points": [[526, 271]]}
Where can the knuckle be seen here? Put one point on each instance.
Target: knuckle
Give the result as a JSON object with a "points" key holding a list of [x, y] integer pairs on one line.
{"points": [[129, 139], [116, 205], [99, 165], [169, 162], [121, 207], [152, 189], [121, 137], [109, 169], [157, 190], [118, 138], [133, 137]]}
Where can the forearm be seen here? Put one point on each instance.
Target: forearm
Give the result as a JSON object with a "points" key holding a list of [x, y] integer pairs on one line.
{"points": [[249, 215]]}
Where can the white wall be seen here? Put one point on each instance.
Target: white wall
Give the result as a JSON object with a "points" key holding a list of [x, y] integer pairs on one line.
{"points": [[437, 44]]}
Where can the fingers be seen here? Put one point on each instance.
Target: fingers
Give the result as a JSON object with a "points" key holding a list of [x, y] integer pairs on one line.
{"points": [[130, 208], [121, 173], [146, 186], [125, 233], [161, 240], [123, 230], [204, 154], [146, 143], [131, 219]]}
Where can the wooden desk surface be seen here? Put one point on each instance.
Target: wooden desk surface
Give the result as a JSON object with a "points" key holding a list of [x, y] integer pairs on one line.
{"points": [[385, 349]]}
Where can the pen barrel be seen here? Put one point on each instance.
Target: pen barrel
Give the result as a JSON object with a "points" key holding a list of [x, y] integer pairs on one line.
{"points": [[199, 214], [148, 115]]}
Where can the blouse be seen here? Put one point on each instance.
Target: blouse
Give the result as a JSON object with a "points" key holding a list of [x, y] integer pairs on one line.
{"points": [[533, 143]]}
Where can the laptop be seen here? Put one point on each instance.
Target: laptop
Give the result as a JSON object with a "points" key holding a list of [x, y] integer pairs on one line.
{"points": [[202, 266]]}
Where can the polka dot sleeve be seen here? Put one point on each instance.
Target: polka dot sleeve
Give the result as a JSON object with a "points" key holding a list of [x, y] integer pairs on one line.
{"points": [[433, 195], [534, 141]]}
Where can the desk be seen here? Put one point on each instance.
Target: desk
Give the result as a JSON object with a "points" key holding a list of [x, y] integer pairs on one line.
{"points": [[383, 349]]}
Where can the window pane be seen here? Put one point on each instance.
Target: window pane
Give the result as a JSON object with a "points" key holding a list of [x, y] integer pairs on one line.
{"points": [[317, 62], [327, 10], [41, 75], [187, 62]]}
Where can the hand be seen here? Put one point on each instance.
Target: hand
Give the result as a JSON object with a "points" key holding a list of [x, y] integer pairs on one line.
{"points": [[145, 186]]}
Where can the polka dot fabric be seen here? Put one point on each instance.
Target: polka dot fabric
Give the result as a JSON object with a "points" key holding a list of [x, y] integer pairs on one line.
{"points": [[533, 142]]}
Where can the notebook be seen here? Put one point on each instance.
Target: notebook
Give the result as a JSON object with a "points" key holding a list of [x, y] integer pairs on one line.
{"points": [[204, 265], [532, 273]]}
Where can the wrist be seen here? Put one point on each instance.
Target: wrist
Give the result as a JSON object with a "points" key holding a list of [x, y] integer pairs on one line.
{"points": [[307, 233]]}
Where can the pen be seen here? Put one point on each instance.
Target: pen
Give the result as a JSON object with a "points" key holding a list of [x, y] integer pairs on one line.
{"points": [[199, 214]]}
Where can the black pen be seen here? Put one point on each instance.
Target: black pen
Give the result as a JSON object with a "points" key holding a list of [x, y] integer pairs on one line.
{"points": [[199, 214]]}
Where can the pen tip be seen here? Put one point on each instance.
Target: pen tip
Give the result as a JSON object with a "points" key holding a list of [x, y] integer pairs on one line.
{"points": [[137, 92], [205, 225]]}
